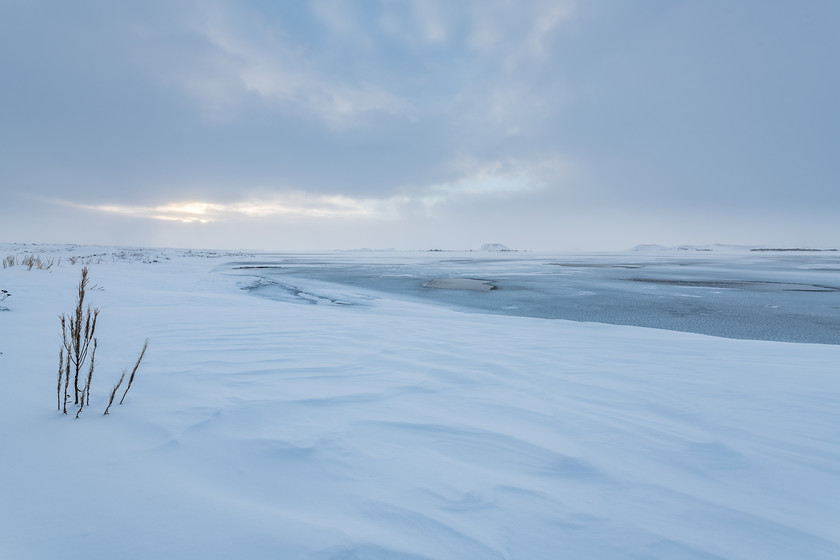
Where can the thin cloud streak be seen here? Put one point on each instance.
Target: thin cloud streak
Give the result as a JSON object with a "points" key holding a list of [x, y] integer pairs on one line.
{"points": [[295, 205], [479, 179]]}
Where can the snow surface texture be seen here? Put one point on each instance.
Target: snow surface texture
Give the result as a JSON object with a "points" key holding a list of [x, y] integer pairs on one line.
{"points": [[365, 426]]}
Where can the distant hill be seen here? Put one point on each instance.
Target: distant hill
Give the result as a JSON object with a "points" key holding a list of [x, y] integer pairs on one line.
{"points": [[726, 248], [495, 247]]}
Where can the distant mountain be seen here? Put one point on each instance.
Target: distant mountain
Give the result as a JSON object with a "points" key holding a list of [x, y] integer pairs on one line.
{"points": [[495, 247]]}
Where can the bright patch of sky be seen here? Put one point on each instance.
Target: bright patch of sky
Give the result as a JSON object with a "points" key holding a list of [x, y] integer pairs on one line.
{"points": [[418, 124]]}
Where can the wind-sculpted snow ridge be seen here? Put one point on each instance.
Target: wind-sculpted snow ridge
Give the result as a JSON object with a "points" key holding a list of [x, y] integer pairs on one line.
{"points": [[395, 430]]}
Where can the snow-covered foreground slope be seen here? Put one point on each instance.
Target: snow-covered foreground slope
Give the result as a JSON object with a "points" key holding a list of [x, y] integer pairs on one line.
{"points": [[264, 429]]}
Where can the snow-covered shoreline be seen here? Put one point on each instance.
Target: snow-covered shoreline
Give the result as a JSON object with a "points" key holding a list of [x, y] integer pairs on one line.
{"points": [[263, 429]]}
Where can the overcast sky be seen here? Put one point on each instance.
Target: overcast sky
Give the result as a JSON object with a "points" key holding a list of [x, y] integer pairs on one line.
{"points": [[590, 124]]}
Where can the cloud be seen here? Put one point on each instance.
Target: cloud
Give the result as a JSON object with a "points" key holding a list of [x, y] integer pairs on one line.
{"points": [[543, 25], [253, 58], [409, 115], [475, 179], [512, 31], [430, 21], [338, 15], [516, 31], [495, 179], [293, 205]]}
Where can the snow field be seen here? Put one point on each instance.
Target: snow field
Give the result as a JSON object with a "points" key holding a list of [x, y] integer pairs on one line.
{"points": [[266, 429]]}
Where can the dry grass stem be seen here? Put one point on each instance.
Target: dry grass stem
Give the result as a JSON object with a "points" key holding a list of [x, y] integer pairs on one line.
{"points": [[60, 374], [133, 371], [66, 383], [114, 392], [90, 372]]}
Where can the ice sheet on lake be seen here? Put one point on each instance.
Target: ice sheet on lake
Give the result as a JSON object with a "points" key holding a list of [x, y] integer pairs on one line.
{"points": [[460, 284], [762, 296]]}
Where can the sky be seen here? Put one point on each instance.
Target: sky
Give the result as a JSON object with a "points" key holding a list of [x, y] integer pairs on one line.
{"points": [[330, 124]]}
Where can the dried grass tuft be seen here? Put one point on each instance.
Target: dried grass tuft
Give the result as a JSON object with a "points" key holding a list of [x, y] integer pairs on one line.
{"points": [[31, 261]]}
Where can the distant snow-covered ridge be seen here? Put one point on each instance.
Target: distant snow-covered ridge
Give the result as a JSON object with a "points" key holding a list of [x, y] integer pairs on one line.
{"points": [[719, 247], [652, 247], [495, 247]]}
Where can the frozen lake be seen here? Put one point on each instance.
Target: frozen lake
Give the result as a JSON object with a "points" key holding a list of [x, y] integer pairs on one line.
{"points": [[791, 297]]}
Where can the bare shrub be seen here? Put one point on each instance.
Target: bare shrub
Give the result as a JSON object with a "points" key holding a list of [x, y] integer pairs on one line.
{"points": [[77, 333]]}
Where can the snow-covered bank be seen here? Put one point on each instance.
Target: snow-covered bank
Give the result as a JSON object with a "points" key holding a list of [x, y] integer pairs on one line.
{"points": [[264, 429]]}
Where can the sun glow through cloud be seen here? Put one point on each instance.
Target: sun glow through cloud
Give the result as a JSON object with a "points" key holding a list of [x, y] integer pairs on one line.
{"points": [[490, 179], [301, 205]]}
